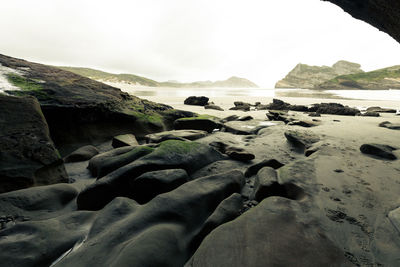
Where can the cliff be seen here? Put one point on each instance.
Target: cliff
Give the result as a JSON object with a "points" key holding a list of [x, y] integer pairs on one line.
{"points": [[309, 77]]}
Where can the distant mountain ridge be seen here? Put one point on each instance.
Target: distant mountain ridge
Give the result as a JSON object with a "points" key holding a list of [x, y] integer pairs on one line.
{"points": [[233, 82], [310, 77]]}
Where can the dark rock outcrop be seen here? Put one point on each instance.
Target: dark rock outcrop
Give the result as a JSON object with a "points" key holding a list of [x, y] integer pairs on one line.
{"points": [[333, 108], [278, 104], [27, 154], [382, 14], [81, 111], [82, 154], [379, 150], [196, 100]]}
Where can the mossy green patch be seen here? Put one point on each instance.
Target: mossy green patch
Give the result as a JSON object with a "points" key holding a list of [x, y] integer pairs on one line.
{"points": [[28, 86], [371, 76], [25, 84], [176, 146]]}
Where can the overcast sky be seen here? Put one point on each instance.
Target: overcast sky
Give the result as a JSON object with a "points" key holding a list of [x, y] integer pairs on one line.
{"points": [[190, 40]]}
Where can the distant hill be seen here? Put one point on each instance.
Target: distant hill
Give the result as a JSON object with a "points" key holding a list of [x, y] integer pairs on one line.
{"points": [[310, 77], [233, 82], [110, 77], [387, 78]]}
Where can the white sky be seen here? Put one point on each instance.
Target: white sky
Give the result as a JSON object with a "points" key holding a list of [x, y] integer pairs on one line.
{"points": [[190, 40]]}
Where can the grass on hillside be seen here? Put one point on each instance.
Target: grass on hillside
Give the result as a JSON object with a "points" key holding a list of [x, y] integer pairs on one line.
{"points": [[372, 76]]}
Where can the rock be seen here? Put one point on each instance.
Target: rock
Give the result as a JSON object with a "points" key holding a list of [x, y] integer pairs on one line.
{"points": [[235, 153], [241, 106], [306, 124], [278, 116], [394, 217], [370, 114], [314, 114], [80, 111], [302, 139], [203, 123], [239, 154], [82, 154], [151, 184], [124, 140], [381, 110], [220, 166], [228, 210], [278, 104], [196, 100], [171, 154], [212, 106], [104, 164], [281, 105], [301, 108], [311, 77], [124, 233], [333, 108], [244, 127], [253, 169], [379, 150], [175, 135], [27, 154], [389, 125], [230, 118], [265, 178], [277, 232], [245, 118], [313, 148]]}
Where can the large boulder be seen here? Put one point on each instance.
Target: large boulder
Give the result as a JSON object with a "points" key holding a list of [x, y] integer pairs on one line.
{"points": [[27, 154], [196, 100], [81, 111], [277, 232]]}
